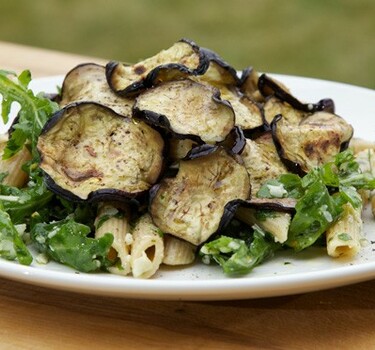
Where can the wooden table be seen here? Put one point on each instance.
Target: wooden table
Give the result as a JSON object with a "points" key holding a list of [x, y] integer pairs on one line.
{"points": [[39, 318]]}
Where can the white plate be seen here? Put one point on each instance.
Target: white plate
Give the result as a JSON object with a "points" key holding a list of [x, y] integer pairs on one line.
{"points": [[287, 273]]}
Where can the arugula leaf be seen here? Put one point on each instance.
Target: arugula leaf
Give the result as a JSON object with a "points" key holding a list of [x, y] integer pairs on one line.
{"points": [[66, 242], [12, 246], [35, 111], [315, 212], [236, 256], [345, 171], [20, 203], [287, 185]]}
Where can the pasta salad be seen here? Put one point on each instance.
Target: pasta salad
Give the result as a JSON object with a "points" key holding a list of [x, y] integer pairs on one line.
{"points": [[175, 159]]}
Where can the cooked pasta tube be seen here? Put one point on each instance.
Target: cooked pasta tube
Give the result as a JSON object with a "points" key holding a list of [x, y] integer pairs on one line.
{"points": [[344, 236], [178, 251], [372, 200], [13, 166], [359, 145], [148, 248], [366, 161], [111, 219], [276, 223]]}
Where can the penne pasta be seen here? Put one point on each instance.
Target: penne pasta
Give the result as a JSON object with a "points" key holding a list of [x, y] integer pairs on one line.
{"points": [[277, 223], [178, 251], [112, 220], [366, 161], [13, 166], [148, 248], [372, 201], [358, 145], [344, 236]]}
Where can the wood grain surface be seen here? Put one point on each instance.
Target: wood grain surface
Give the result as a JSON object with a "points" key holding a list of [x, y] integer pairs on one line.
{"points": [[33, 317]]}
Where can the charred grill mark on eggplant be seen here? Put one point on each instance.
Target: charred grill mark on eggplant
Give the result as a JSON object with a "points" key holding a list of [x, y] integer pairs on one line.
{"points": [[312, 142]]}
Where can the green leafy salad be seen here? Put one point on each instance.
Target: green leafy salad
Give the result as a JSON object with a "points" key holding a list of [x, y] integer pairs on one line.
{"points": [[33, 214], [62, 230]]}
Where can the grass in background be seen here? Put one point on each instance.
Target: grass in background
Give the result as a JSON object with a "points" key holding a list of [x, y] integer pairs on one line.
{"points": [[331, 39]]}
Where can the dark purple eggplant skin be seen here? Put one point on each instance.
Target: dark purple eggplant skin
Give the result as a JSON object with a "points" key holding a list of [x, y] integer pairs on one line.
{"points": [[201, 151], [265, 82], [287, 205], [291, 166], [152, 78], [326, 105], [229, 211], [96, 196], [234, 144]]}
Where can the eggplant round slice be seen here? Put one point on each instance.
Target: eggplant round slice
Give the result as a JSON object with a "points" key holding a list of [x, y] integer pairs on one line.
{"points": [[188, 109], [183, 59], [91, 153], [313, 142], [202, 198], [87, 82]]}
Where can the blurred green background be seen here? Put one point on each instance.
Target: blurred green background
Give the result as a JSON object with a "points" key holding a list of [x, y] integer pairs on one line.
{"points": [[332, 39]]}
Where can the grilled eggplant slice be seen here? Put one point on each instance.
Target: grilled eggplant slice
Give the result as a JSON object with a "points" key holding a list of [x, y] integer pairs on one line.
{"points": [[89, 152], [315, 141], [202, 198], [181, 60], [87, 82], [262, 161], [188, 109]]}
